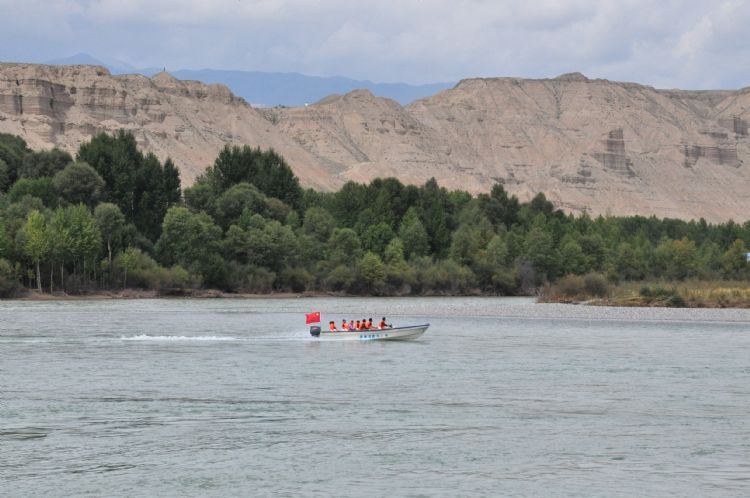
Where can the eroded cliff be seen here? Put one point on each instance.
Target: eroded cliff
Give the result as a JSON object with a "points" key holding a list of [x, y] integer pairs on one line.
{"points": [[590, 145]]}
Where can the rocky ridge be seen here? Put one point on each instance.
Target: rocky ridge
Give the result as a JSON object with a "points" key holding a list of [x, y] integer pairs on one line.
{"points": [[590, 145]]}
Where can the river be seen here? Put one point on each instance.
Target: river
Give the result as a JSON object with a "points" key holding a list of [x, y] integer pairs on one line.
{"points": [[500, 397]]}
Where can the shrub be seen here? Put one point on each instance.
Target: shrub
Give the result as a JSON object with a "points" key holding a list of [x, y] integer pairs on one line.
{"points": [[178, 278], [569, 286], [250, 278], [295, 279], [669, 296], [596, 285], [340, 279], [8, 282], [444, 277]]}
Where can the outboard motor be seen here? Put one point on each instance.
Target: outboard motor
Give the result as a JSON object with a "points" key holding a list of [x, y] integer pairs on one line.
{"points": [[315, 331]]}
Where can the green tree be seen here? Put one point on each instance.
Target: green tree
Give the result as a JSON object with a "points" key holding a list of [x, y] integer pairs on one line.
{"points": [[465, 245], [539, 250], [127, 261], [6, 175], [194, 242], [572, 258], [436, 210], [116, 159], [8, 281], [61, 242], [139, 185], [372, 272], [394, 251], [44, 163], [4, 241], [733, 261], [677, 259], [594, 249], [111, 223], [201, 197], [319, 223], [85, 236], [41, 188], [172, 191], [13, 149], [36, 243], [267, 170], [413, 234], [79, 183], [344, 247], [629, 262], [498, 207], [497, 252], [376, 237], [238, 198]]}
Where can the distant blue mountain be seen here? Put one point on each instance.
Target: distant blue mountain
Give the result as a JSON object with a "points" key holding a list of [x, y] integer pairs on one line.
{"points": [[272, 89], [294, 89]]}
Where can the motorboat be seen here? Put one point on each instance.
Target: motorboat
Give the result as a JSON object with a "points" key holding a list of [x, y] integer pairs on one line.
{"points": [[387, 334]]}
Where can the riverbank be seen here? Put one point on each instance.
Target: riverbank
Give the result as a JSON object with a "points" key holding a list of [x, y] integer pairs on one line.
{"points": [[687, 294], [32, 295], [151, 294]]}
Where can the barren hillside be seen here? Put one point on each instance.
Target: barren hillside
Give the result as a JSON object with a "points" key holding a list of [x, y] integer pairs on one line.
{"points": [[590, 145]]}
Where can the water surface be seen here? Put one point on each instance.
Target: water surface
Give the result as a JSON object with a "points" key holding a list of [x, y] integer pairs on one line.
{"points": [[500, 397]]}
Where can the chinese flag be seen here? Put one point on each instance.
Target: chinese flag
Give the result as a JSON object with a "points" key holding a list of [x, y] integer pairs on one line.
{"points": [[312, 317]]}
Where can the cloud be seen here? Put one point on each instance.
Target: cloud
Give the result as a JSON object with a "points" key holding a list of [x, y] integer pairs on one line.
{"points": [[673, 43]]}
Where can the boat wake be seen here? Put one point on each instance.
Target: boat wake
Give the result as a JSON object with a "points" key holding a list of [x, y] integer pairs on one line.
{"points": [[214, 338], [145, 337]]}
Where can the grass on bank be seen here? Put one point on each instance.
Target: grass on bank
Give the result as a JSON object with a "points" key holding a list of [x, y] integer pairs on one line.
{"points": [[595, 289]]}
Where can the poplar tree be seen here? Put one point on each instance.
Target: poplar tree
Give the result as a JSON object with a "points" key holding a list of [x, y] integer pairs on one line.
{"points": [[36, 243]]}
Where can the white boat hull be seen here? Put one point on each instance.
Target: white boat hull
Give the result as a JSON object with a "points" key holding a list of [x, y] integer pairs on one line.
{"points": [[392, 334]]}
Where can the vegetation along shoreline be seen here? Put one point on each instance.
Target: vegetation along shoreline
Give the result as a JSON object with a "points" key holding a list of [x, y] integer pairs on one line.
{"points": [[115, 222]]}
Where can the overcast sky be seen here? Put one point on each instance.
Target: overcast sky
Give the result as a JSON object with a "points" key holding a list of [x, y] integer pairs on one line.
{"points": [[665, 43]]}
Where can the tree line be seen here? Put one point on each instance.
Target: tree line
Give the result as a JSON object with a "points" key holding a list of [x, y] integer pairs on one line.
{"points": [[114, 217]]}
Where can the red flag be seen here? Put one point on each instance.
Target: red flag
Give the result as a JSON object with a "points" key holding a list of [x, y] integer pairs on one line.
{"points": [[312, 317]]}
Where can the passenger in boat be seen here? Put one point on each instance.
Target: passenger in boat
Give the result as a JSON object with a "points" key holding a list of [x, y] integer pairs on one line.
{"points": [[382, 325], [363, 324], [344, 326], [369, 324], [332, 326], [358, 326], [351, 325]]}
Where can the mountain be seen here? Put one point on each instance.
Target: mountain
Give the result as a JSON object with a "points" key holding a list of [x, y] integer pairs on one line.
{"points": [[113, 65], [294, 89], [589, 145], [272, 89]]}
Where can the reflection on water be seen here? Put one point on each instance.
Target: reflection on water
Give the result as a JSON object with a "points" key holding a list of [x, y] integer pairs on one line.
{"points": [[500, 396]]}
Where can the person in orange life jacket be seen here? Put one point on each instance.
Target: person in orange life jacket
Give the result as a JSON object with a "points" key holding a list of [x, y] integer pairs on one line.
{"points": [[332, 326], [358, 326], [369, 324], [344, 326], [364, 325], [382, 325]]}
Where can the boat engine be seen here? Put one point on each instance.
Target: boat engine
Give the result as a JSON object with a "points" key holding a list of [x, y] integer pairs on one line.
{"points": [[315, 331]]}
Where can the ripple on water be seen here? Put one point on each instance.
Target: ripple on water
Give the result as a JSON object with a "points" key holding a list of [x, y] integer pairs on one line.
{"points": [[499, 397]]}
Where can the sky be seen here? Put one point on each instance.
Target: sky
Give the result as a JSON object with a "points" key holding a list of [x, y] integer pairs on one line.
{"points": [[665, 43]]}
